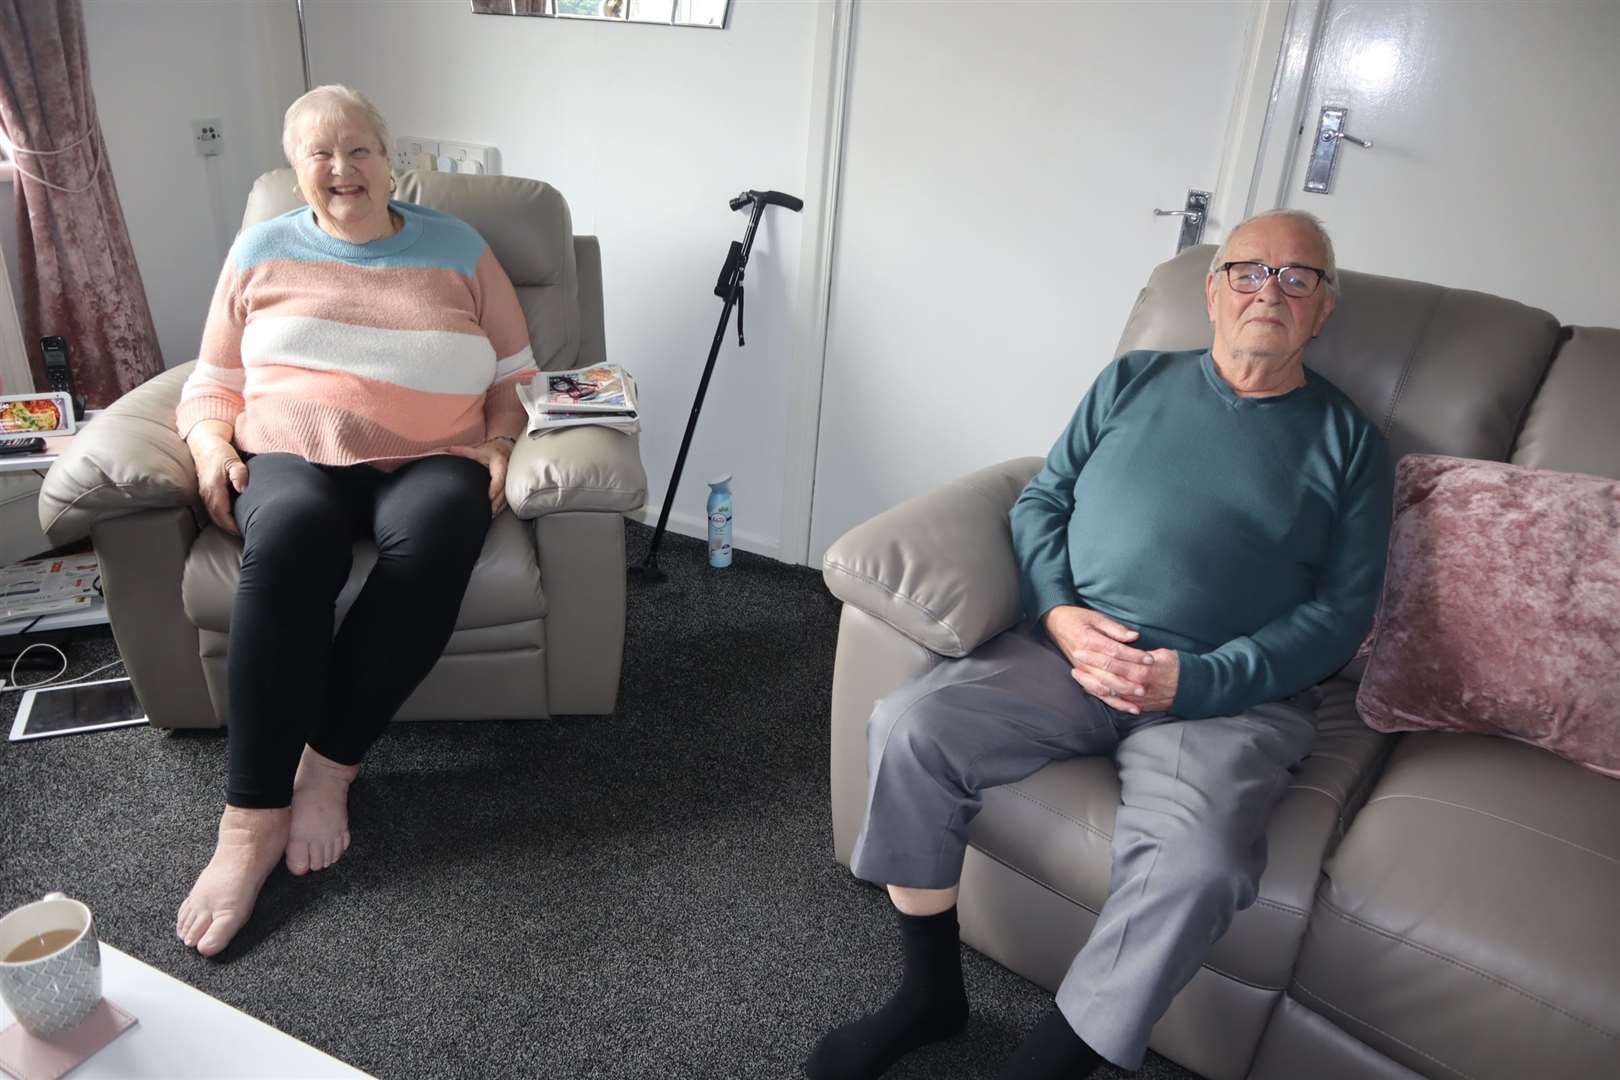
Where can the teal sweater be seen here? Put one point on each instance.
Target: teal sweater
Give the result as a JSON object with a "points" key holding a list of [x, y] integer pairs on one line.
{"points": [[1247, 534]]}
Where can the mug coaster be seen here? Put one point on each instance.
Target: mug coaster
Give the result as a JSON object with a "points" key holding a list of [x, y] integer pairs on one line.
{"points": [[28, 1057]]}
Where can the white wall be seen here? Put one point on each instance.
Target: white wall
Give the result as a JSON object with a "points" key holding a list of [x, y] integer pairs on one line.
{"points": [[647, 131], [155, 65]]}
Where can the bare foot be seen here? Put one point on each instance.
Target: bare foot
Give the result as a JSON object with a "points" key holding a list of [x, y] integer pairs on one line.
{"points": [[320, 813], [250, 845]]}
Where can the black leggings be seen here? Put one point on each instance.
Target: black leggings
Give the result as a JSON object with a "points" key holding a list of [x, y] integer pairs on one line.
{"points": [[291, 680]]}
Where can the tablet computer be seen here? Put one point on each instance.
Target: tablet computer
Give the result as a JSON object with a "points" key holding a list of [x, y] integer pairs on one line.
{"points": [[68, 710]]}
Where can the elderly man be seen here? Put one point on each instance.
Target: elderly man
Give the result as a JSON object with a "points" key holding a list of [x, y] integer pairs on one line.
{"points": [[1204, 544]]}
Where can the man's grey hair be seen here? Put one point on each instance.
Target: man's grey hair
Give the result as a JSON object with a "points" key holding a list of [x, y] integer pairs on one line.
{"points": [[1302, 218], [326, 103]]}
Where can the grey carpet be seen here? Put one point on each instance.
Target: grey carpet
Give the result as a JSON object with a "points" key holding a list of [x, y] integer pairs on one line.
{"points": [[651, 895]]}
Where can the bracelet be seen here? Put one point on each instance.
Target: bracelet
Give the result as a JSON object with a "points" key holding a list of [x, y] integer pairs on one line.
{"points": [[509, 438]]}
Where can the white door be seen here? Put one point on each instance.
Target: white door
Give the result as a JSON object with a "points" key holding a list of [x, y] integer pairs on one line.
{"points": [[1000, 168], [1495, 162]]}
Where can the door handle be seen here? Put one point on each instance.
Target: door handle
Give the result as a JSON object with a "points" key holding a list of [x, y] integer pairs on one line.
{"points": [[1325, 150], [1192, 218], [1364, 143]]}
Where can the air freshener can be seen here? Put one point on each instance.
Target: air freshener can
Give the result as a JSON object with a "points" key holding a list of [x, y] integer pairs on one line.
{"points": [[720, 521]]}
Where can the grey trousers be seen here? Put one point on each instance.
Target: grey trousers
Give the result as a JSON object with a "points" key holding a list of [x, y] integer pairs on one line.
{"points": [[1189, 843]]}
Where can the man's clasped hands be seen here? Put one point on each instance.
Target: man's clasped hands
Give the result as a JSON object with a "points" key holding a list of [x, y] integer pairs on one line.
{"points": [[1106, 665]]}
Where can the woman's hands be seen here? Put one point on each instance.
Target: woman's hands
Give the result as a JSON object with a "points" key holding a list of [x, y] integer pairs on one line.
{"points": [[1128, 679], [492, 455], [219, 471]]}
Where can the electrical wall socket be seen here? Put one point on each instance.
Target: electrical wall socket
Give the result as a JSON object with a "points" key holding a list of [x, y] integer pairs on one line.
{"points": [[444, 155], [208, 136], [464, 157], [414, 152]]}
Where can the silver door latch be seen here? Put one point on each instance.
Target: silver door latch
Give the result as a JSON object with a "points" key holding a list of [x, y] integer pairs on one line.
{"points": [[1325, 149], [1192, 218]]}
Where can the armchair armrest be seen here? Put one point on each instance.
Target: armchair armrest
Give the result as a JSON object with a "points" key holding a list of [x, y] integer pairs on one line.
{"points": [[938, 568], [577, 468], [129, 458]]}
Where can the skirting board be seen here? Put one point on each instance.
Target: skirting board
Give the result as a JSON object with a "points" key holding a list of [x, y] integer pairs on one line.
{"points": [[692, 525]]}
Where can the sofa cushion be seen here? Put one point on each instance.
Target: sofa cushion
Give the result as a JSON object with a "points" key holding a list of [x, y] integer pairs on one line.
{"points": [[505, 585], [1571, 423], [1465, 926], [127, 459], [588, 467], [939, 568], [1501, 608], [1057, 827]]}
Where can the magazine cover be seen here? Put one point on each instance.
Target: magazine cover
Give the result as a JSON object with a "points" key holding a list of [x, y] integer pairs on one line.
{"points": [[602, 388], [49, 586], [603, 394]]}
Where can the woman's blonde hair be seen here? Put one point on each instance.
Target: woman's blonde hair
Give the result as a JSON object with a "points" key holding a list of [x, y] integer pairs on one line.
{"points": [[325, 103]]}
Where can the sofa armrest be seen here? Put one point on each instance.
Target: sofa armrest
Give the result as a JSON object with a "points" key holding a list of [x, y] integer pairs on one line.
{"points": [[938, 568], [578, 468], [127, 459]]}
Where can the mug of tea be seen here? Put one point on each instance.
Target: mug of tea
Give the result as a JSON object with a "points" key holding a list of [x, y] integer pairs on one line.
{"points": [[50, 965]]}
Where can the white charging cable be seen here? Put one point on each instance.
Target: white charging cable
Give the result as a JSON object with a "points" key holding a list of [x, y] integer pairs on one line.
{"points": [[52, 680]]}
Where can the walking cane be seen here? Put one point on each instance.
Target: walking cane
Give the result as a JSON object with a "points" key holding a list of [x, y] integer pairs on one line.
{"points": [[730, 287]]}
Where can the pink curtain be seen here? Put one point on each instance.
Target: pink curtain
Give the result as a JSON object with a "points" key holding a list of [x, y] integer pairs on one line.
{"points": [[79, 278]]}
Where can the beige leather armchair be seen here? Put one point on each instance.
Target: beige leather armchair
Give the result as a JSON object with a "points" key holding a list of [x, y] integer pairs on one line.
{"points": [[1358, 960], [541, 630]]}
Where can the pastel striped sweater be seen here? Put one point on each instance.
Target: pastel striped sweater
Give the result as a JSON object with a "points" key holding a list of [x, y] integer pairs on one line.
{"points": [[347, 353]]}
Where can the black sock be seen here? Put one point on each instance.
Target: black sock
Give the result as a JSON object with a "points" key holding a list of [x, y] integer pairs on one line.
{"points": [[930, 1005], [1051, 1051]]}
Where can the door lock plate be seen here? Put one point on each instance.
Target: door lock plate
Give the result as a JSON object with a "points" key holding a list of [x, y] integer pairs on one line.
{"points": [[1325, 149], [1193, 217]]}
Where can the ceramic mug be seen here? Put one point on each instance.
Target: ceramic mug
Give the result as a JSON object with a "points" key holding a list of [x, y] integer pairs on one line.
{"points": [[51, 992]]}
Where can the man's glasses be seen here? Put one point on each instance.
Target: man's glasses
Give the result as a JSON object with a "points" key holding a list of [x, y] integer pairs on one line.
{"points": [[1295, 281]]}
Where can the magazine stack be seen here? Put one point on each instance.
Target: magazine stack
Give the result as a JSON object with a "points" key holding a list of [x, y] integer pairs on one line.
{"points": [[55, 586], [603, 394]]}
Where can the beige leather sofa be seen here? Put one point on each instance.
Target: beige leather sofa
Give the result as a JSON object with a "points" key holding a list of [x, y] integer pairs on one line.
{"points": [[541, 630], [1436, 905], [20, 534]]}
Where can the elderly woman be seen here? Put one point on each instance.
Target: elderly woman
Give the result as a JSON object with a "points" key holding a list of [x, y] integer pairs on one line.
{"points": [[357, 380]]}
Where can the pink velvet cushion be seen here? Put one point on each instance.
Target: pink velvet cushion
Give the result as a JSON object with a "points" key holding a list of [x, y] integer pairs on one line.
{"points": [[1501, 608]]}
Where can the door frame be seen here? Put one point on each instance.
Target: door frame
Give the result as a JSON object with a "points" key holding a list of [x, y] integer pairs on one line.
{"points": [[824, 159], [1265, 126], [1276, 159]]}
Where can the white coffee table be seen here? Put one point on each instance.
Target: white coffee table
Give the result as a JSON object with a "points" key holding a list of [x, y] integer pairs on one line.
{"points": [[181, 1032]]}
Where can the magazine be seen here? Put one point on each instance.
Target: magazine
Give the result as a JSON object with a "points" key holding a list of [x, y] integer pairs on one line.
{"points": [[49, 586], [602, 394]]}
